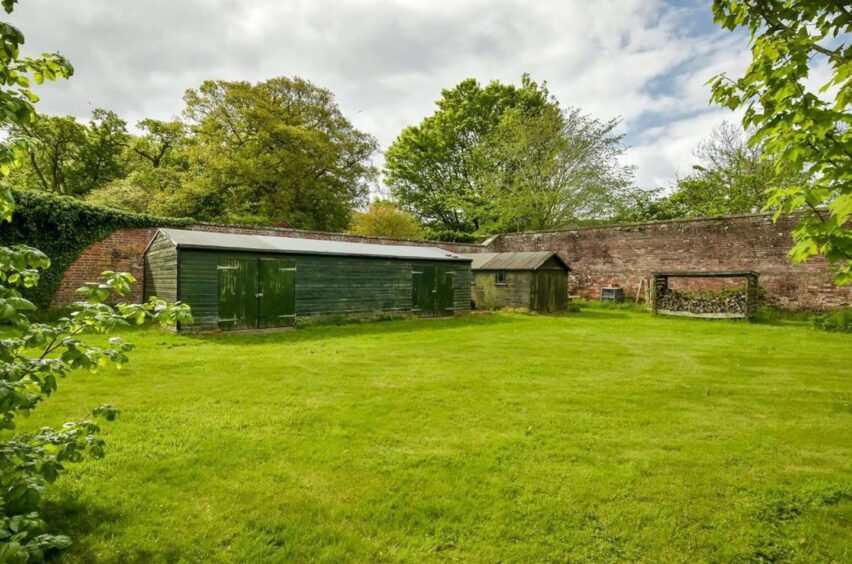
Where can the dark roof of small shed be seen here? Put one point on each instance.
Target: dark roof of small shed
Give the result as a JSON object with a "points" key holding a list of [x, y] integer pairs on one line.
{"points": [[513, 261], [183, 238]]}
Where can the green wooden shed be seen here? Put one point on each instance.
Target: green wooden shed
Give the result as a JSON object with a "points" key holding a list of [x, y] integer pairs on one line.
{"points": [[237, 281], [536, 280]]}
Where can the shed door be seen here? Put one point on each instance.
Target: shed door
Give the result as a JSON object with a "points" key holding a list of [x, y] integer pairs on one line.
{"points": [[422, 286], [237, 293], [549, 291], [277, 296], [444, 288]]}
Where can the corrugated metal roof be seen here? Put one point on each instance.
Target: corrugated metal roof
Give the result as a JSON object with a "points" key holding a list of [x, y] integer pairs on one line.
{"points": [[272, 244], [512, 261]]}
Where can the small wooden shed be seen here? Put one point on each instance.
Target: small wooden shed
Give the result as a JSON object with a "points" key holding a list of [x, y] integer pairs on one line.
{"points": [[537, 281], [236, 281]]}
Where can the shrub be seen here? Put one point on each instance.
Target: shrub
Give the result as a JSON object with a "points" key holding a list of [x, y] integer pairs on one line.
{"points": [[839, 321]]}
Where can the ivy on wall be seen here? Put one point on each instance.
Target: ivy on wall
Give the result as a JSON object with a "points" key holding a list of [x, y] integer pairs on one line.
{"points": [[62, 227]]}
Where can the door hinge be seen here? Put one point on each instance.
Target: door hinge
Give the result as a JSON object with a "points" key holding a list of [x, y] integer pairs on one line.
{"points": [[288, 269], [259, 295], [227, 268], [225, 320], [288, 315]]}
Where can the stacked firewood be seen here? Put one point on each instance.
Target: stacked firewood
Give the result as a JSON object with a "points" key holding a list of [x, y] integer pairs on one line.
{"points": [[703, 302]]}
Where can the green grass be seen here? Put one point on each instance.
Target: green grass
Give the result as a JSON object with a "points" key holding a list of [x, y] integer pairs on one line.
{"points": [[604, 435]]}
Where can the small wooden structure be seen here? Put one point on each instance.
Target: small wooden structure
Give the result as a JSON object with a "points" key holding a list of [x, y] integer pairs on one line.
{"points": [[660, 283], [236, 281], [537, 281]]}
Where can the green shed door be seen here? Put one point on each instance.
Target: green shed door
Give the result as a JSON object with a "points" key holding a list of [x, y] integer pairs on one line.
{"points": [[237, 293], [277, 281], [422, 290], [444, 288]]}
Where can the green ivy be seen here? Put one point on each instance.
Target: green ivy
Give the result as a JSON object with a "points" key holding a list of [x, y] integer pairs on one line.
{"points": [[62, 227]]}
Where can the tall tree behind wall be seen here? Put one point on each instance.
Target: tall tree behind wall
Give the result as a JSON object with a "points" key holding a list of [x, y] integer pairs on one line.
{"points": [[278, 151]]}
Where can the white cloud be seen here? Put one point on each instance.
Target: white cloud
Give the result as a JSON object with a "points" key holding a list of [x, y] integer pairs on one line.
{"points": [[387, 61]]}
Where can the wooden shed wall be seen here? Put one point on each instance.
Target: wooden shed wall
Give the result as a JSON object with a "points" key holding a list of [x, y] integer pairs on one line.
{"points": [[160, 272], [324, 284], [487, 294]]}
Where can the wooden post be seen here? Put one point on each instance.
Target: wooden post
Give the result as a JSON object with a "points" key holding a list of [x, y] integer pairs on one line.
{"points": [[659, 286]]}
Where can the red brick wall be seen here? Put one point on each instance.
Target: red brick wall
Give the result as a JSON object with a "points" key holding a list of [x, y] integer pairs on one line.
{"points": [[622, 255], [123, 251]]}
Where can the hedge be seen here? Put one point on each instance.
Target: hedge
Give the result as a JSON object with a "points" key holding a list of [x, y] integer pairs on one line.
{"points": [[62, 227]]}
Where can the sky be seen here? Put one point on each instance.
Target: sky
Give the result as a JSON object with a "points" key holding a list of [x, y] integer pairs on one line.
{"points": [[644, 61]]}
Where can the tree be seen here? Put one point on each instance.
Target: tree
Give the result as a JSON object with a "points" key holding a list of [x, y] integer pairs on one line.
{"points": [[34, 356], [802, 129], [435, 169], [64, 156], [553, 168], [278, 151], [385, 219], [124, 194], [160, 140]]}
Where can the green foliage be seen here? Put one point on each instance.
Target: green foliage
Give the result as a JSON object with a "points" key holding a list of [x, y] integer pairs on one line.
{"points": [[386, 219], [62, 228], [733, 176], [839, 320], [63, 156], [450, 236], [552, 169], [435, 168], [33, 358], [801, 129], [278, 151], [16, 97]]}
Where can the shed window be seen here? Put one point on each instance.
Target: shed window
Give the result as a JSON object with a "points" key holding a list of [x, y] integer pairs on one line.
{"points": [[501, 277]]}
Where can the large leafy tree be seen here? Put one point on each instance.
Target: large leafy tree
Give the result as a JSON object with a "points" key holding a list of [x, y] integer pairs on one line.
{"points": [[802, 128], [278, 151], [553, 168], [436, 168], [63, 156]]}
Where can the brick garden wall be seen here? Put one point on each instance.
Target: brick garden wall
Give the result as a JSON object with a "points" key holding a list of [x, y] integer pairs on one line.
{"points": [[602, 256], [622, 255]]}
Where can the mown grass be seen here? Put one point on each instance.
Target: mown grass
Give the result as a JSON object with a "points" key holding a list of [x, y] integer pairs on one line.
{"points": [[604, 435]]}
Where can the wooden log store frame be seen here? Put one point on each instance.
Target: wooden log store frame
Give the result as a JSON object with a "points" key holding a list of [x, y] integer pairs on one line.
{"points": [[660, 283]]}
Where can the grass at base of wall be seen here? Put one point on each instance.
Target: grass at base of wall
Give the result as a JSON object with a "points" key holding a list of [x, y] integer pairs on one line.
{"points": [[604, 435]]}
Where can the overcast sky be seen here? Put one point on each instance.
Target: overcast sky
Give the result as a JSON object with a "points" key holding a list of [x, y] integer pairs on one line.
{"points": [[646, 61]]}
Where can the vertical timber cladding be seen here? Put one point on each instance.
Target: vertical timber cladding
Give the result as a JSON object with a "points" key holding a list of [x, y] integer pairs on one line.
{"points": [[237, 281], [322, 285], [436, 289], [256, 293], [549, 291]]}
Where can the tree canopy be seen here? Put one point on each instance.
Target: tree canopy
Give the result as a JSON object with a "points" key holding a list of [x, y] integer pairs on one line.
{"points": [[801, 128], [435, 168], [732, 176], [504, 157], [386, 219], [278, 151]]}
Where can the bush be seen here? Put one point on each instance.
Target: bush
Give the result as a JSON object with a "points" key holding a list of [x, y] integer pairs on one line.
{"points": [[839, 321], [62, 227], [449, 236]]}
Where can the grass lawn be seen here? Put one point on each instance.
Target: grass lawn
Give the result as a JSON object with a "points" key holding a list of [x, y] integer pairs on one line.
{"points": [[603, 435]]}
